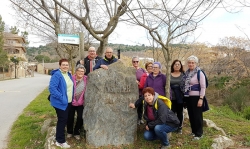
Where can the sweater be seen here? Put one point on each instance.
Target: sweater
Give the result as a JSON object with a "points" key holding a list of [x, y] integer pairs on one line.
{"points": [[158, 83]]}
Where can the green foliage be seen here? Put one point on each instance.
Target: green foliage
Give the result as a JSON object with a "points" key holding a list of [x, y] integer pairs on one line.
{"points": [[14, 30], [26, 131], [238, 99], [3, 54], [25, 34], [15, 60], [219, 82], [41, 58], [246, 113]]}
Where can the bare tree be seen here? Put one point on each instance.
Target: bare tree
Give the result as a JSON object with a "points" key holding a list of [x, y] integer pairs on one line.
{"points": [[170, 21], [106, 18], [52, 17]]}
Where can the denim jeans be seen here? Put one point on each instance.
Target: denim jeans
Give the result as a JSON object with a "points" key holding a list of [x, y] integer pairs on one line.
{"points": [[159, 132]]}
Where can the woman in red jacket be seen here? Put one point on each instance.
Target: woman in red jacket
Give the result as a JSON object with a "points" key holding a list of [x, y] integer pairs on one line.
{"points": [[149, 68]]}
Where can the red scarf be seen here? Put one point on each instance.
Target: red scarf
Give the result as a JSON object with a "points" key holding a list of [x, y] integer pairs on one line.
{"points": [[91, 63]]}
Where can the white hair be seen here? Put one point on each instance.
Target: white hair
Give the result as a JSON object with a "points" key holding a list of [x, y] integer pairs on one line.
{"points": [[194, 58]]}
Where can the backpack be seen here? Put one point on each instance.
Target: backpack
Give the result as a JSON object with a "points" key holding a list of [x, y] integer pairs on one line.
{"points": [[165, 100], [198, 77]]}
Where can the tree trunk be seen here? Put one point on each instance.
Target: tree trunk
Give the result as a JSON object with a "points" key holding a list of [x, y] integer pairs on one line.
{"points": [[101, 48], [167, 57]]}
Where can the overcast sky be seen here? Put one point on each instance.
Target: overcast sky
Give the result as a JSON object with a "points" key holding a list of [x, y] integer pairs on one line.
{"points": [[217, 25]]}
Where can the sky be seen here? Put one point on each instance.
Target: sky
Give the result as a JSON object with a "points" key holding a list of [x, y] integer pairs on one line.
{"points": [[217, 25]]}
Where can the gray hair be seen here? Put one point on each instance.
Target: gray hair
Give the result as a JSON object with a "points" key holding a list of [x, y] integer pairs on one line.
{"points": [[135, 57], [91, 48], [79, 66], [194, 58]]}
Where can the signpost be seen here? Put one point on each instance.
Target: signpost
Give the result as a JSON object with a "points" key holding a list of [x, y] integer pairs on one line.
{"points": [[68, 38]]}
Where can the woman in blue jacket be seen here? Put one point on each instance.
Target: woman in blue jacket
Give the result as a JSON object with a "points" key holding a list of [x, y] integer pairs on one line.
{"points": [[61, 94]]}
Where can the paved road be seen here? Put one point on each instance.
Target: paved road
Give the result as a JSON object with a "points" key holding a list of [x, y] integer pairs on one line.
{"points": [[15, 95]]}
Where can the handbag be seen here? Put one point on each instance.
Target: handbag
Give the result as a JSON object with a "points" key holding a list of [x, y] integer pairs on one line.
{"points": [[48, 97]]}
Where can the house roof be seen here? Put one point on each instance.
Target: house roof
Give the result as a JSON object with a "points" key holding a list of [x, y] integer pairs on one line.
{"points": [[13, 36], [51, 65]]}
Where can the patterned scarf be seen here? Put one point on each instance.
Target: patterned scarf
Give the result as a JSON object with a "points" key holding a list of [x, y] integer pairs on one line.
{"points": [[79, 89], [187, 77]]}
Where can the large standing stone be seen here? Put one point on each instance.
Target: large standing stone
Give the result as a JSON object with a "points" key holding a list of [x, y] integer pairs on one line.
{"points": [[108, 120]]}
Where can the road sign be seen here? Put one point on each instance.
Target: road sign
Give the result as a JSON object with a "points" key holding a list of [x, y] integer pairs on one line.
{"points": [[68, 38]]}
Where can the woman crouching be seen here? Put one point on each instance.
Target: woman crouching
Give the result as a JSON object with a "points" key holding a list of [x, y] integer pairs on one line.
{"points": [[160, 119]]}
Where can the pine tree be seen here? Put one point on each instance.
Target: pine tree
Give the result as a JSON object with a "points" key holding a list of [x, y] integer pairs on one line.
{"points": [[3, 54]]}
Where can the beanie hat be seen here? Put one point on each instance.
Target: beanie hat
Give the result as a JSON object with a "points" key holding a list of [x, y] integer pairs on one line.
{"points": [[158, 63]]}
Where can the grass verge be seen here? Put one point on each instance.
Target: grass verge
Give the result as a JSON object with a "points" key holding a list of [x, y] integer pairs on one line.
{"points": [[26, 131]]}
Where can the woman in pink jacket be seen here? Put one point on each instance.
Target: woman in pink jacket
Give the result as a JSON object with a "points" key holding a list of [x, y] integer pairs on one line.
{"points": [[80, 82]]}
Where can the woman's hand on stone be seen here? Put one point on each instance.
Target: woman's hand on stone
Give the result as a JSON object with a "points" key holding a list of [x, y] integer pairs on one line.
{"points": [[147, 127], [131, 105]]}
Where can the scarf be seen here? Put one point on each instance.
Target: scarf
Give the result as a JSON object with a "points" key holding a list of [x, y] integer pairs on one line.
{"points": [[91, 63], [187, 77], [79, 89]]}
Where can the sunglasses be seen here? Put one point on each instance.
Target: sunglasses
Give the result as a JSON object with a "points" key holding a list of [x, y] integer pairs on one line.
{"points": [[135, 61]]}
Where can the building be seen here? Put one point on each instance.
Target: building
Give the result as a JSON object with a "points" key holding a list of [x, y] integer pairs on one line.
{"points": [[14, 45]]}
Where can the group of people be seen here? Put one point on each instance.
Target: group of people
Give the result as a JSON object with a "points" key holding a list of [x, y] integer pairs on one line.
{"points": [[67, 92], [67, 96], [187, 91]]}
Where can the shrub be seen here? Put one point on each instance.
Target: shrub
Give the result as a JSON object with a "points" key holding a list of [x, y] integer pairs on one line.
{"points": [[239, 99], [246, 113]]}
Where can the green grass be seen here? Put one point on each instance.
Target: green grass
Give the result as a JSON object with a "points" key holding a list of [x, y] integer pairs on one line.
{"points": [[26, 131]]}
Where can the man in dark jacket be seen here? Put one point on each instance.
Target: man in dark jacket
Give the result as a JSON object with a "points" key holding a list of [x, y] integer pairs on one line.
{"points": [[90, 61], [108, 59]]}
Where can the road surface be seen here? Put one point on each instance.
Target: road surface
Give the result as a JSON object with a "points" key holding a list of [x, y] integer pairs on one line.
{"points": [[15, 95]]}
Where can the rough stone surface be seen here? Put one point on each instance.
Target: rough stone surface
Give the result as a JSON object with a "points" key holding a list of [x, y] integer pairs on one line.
{"points": [[209, 123], [108, 120], [50, 138], [222, 142], [45, 126]]}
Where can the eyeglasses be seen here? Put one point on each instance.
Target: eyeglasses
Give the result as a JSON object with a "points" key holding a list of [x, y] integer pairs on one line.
{"points": [[149, 66], [91, 50], [177, 64], [155, 67], [109, 52], [135, 61], [64, 64], [80, 71]]}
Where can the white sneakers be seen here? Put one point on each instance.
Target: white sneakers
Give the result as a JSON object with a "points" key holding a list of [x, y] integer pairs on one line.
{"points": [[62, 145]]}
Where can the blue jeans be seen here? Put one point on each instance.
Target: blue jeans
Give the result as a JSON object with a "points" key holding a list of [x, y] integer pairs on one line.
{"points": [[159, 132]]}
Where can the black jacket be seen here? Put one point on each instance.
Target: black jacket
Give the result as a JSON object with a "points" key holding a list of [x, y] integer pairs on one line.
{"points": [[163, 115], [87, 63]]}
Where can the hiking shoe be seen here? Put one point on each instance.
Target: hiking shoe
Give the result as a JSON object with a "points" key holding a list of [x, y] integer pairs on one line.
{"points": [[62, 145], [197, 138], [191, 135], [141, 121], [69, 135], [179, 130], [77, 137], [165, 147]]}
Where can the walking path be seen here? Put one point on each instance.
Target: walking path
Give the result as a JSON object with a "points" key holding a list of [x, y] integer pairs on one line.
{"points": [[15, 95]]}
